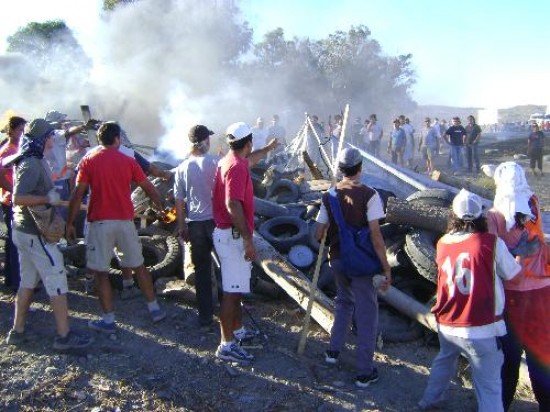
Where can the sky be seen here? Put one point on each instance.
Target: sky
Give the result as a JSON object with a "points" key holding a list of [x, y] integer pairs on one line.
{"points": [[484, 54]]}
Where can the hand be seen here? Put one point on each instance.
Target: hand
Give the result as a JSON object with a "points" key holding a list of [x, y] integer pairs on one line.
{"points": [[273, 143], [387, 283], [184, 232], [70, 232], [53, 196], [249, 250]]}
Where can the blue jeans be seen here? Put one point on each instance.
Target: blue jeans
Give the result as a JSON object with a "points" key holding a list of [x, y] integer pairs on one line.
{"points": [[472, 154], [456, 157], [360, 295], [485, 358]]}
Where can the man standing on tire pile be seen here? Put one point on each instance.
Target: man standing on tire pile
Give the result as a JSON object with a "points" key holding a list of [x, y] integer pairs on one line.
{"points": [[355, 296], [108, 174], [233, 207], [193, 187]]}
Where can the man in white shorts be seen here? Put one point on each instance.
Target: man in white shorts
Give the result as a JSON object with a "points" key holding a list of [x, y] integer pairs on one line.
{"points": [[233, 209]]}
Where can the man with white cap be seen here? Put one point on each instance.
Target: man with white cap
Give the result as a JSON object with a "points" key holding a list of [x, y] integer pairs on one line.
{"points": [[472, 265], [356, 296], [233, 210]]}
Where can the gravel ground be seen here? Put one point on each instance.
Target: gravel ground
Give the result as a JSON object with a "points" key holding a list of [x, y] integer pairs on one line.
{"points": [[171, 366]]}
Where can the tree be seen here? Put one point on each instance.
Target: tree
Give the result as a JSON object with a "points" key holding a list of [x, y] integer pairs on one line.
{"points": [[111, 4], [49, 46]]}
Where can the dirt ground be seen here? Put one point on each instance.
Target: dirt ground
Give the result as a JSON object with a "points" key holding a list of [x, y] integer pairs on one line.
{"points": [[171, 366]]}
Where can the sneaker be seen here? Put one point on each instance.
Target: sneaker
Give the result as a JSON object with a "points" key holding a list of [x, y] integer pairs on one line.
{"points": [[157, 315], [331, 356], [130, 293], [234, 354], [73, 340], [101, 326], [363, 381], [16, 338]]}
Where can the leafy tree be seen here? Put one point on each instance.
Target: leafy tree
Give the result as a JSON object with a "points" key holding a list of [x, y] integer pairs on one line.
{"points": [[111, 4], [50, 46]]}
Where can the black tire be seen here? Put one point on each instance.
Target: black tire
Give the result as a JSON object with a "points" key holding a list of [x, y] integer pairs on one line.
{"points": [[432, 197], [397, 329], [266, 208], [75, 255], [159, 262], [285, 231], [420, 247], [390, 230], [258, 187], [283, 191]]}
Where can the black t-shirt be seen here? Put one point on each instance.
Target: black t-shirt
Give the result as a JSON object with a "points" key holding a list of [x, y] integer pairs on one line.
{"points": [[472, 131], [456, 134]]}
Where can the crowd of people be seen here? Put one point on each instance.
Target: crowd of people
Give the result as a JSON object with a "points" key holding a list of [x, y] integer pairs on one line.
{"points": [[494, 267]]}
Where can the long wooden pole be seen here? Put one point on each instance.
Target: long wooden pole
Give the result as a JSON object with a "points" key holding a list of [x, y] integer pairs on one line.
{"points": [[313, 285]]}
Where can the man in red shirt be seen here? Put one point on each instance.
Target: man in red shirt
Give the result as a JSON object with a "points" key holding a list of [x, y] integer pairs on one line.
{"points": [[470, 301], [233, 210], [108, 173]]}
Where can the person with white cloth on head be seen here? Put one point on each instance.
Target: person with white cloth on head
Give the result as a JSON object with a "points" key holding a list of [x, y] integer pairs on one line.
{"points": [[516, 218], [259, 134], [472, 264]]}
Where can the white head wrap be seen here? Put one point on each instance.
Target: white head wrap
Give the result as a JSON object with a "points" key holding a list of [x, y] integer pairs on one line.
{"points": [[512, 192]]}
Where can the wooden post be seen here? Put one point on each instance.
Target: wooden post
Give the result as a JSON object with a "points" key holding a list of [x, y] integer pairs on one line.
{"points": [[313, 285]]}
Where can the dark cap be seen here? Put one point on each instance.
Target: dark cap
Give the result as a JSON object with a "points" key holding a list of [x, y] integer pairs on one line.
{"points": [[38, 128], [198, 133]]}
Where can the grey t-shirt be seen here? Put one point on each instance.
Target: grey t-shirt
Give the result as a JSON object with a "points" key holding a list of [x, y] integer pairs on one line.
{"points": [[32, 177], [194, 183]]}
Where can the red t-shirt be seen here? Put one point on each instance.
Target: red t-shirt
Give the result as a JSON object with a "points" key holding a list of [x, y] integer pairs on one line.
{"points": [[233, 182], [7, 150], [466, 281], [110, 175]]}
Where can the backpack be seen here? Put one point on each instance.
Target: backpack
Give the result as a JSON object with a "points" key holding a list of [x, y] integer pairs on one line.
{"points": [[357, 252]]}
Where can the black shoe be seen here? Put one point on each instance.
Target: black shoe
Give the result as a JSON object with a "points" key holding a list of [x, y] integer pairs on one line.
{"points": [[363, 381]]}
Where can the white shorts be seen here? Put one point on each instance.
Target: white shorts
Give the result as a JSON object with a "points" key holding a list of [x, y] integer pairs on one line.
{"points": [[104, 235], [40, 260], [235, 269]]}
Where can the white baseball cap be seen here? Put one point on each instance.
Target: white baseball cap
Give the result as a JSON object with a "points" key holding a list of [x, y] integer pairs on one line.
{"points": [[467, 205], [238, 131]]}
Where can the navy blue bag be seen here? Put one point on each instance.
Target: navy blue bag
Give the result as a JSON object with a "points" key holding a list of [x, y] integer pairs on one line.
{"points": [[357, 252]]}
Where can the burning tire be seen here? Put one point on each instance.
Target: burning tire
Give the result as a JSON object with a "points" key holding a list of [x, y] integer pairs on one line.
{"points": [[285, 231], [420, 247]]}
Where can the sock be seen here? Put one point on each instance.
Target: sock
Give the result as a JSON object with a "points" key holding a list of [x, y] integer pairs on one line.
{"points": [[153, 305], [239, 333], [226, 345], [127, 283], [109, 317]]}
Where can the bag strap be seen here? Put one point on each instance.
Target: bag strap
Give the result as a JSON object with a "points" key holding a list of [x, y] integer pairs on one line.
{"points": [[336, 208]]}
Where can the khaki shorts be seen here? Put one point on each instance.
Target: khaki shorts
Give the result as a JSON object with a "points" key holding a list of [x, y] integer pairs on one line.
{"points": [[235, 269], [104, 235], [40, 260]]}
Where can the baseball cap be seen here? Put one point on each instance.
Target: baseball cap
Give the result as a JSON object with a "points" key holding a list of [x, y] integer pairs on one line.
{"points": [[467, 205], [198, 133], [349, 157], [55, 116], [38, 128], [238, 131]]}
